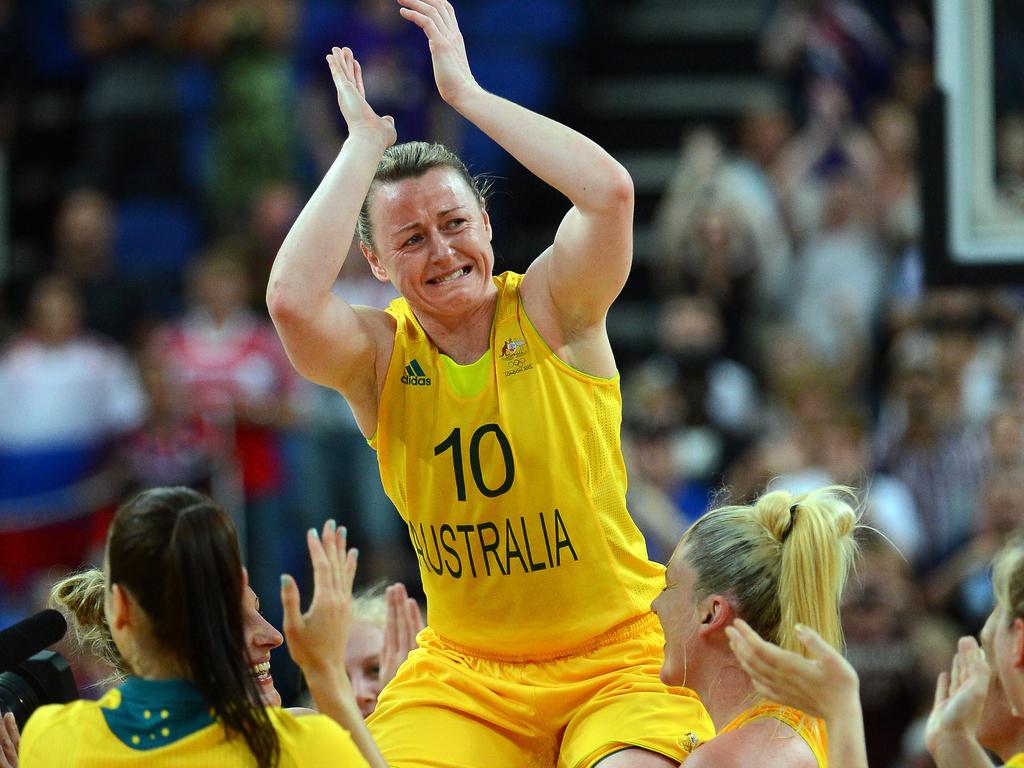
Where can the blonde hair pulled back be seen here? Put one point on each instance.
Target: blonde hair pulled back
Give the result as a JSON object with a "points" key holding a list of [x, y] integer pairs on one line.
{"points": [[783, 560]]}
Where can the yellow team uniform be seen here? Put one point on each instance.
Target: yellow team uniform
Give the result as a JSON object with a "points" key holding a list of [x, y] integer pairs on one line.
{"points": [[1017, 761], [509, 475], [811, 730], [166, 723]]}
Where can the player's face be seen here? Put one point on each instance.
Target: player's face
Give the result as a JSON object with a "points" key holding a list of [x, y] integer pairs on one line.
{"points": [[677, 612], [362, 662], [432, 240], [1002, 639], [260, 639]]}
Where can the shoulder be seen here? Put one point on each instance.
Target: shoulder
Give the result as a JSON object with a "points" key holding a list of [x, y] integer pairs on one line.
{"points": [[51, 726], [313, 735], [765, 742]]}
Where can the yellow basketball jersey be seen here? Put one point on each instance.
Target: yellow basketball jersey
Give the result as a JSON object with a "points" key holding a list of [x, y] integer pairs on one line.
{"points": [[1017, 761], [509, 475], [810, 729]]}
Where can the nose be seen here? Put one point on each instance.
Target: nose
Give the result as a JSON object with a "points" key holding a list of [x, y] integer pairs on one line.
{"points": [[267, 635]]}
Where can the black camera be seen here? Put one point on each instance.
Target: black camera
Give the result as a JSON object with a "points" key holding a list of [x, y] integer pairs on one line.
{"points": [[44, 678], [29, 675]]}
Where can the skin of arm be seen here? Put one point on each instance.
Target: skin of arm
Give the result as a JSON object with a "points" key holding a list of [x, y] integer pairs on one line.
{"points": [[774, 744], [586, 267], [317, 638], [328, 341], [824, 686]]}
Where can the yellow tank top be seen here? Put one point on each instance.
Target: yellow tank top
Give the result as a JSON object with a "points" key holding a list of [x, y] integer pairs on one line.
{"points": [[1017, 761], [811, 730], [509, 475]]}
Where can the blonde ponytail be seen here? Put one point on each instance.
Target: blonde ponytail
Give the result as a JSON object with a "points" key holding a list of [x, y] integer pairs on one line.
{"points": [[80, 598], [783, 561]]}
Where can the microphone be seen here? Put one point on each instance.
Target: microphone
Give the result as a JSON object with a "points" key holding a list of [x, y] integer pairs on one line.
{"points": [[29, 636]]}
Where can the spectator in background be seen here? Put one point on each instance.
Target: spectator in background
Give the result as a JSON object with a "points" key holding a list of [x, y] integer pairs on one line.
{"points": [[229, 366], [83, 241], [926, 443], [961, 586], [844, 458], [133, 131], [397, 75], [246, 42], [67, 399]]}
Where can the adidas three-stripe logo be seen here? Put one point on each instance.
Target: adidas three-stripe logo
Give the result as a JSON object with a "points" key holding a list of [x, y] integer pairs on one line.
{"points": [[414, 375]]}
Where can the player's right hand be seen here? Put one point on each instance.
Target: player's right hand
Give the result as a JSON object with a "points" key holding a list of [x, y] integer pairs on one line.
{"points": [[359, 115], [959, 696]]}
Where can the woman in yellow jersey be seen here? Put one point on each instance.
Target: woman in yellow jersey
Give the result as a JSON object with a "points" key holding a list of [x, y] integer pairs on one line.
{"points": [[781, 562], [493, 404], [960, 695], [172, 605]]}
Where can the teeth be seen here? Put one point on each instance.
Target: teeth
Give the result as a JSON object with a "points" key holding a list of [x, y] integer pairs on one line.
{"points": [[454, 275], [259, 670]]}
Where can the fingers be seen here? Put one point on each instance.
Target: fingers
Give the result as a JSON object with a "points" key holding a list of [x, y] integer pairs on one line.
{"points": [[941, 689], [290, 604], [322, 575], [9, 739]]}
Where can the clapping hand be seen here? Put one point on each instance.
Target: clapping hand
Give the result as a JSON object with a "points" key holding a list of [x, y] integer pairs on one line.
{"points": [[403, 623], [359, 115], [317, 638], [447, 48], [959, 696]]}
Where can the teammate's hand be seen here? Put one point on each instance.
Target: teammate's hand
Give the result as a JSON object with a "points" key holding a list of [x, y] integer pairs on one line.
{"points": [[9, 740], [403, 623], [447, 48], [824, 685], [959, 697], [359, 115], [317, 638]]}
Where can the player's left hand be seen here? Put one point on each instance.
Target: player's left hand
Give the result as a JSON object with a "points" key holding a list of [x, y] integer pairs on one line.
{"points": [[447, 48], [317, 638]]}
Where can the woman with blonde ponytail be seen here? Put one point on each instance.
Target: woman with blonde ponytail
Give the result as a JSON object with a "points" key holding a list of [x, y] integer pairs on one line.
{"points": [[780, 564]]}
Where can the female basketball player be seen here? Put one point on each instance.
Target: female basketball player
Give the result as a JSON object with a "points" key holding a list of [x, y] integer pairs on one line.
{"points": [[779, 563], [494, 407]]}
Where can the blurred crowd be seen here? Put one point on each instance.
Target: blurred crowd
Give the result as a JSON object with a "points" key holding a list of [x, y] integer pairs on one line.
{"points": [[155, 152]]}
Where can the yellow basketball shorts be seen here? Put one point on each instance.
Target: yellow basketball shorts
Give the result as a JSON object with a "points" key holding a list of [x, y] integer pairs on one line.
{"points": [[449, 709]]}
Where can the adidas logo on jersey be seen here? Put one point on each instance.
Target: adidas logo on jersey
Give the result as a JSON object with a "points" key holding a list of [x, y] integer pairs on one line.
{"points": [[414, 375]]}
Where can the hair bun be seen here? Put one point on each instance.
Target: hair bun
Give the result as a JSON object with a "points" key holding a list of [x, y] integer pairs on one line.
{"points": [[775, 511]]}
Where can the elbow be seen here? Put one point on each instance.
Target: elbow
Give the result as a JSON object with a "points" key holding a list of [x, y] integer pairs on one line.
{"points": [[285, 305], [617, 191]]}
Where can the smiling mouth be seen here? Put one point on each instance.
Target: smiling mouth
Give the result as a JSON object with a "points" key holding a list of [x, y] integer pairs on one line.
{"points": [[260, 672], [451, 276]]}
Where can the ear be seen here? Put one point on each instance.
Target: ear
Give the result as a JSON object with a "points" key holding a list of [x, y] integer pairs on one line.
{"points": [[1018, 642], [122, 610], [717, 614], [487, 222], [375, 266]]}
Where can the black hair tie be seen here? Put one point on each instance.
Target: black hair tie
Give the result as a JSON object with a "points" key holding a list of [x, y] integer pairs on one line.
{"points": [[792, 519]]}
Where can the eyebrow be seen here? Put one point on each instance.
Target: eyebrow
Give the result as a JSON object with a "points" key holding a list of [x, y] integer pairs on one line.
{"points": [[440, 215]]}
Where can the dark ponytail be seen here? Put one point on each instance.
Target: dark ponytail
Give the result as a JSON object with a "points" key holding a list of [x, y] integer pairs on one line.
{"points": [[176, 552]]}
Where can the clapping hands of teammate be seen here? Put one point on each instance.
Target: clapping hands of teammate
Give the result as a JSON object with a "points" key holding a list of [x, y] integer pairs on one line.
{"points": [[959, 701], [317, 638], [824, 685], [9, 739], [359, 115], [447, 48], [403, 623]]}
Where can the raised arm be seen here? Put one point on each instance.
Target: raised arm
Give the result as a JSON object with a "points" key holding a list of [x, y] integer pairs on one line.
{"points": [[589, 262], [328, 341], [951, 731]]}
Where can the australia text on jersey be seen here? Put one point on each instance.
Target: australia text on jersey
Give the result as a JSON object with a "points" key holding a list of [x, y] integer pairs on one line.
{"points": [[527, 543]]}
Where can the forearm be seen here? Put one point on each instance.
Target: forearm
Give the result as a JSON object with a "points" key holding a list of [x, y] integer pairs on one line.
{"points": [[960, 750], [561, 157], [332, 693], [846, 745], [314, 251]]}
